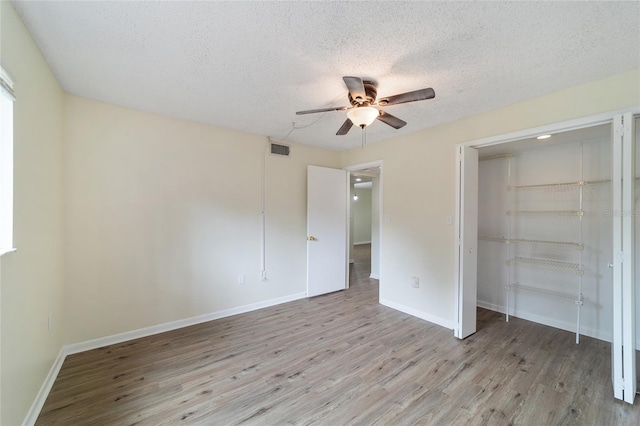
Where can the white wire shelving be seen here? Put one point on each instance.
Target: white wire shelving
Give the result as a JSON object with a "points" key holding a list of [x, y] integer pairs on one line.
{"points": [[571, 244], [554, 185], [542, 192], [545, 212], [578, 300], [557, 265]]}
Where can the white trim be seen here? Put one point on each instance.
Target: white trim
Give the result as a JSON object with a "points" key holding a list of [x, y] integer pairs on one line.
{"points": [[374, 276], [4, 251], [6, 85], [562, 325], [370, 164], [174, 325], [628, 270], [43, 393], [558, 127], [359, 243], [419, 314]]}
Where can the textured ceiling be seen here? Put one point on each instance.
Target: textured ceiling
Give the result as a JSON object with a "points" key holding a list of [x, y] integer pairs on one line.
{"points": [[251, 65]]}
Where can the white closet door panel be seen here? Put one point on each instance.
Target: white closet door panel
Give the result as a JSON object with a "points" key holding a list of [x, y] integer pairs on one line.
{"points": [[623, 182], [467, 234]]}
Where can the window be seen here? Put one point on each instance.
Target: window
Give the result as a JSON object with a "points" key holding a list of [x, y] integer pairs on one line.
{"points": [[7, 98]]}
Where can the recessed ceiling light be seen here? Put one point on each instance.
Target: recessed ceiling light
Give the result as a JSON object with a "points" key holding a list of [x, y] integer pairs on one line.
{"points": [[358, 179], [543, 137]]}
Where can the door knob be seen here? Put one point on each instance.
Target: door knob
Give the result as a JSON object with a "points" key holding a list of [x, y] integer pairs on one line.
{"points": [[312, 238]]}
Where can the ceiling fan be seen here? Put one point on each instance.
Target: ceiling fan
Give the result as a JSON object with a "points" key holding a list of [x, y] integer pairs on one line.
{"points": [[362, 96]]}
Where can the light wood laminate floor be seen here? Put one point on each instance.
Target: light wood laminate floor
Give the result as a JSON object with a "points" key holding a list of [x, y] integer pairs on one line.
{"points": [[341, 359]]}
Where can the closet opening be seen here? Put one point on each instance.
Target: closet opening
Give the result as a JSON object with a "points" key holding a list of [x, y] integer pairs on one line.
{"points": [[547, 232], [544, 231]]}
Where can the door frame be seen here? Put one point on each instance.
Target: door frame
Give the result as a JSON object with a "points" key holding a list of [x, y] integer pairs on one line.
{"points": [[353, 168], [558, 127]]}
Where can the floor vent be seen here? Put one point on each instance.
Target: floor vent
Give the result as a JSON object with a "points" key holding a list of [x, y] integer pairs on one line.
{"points": [[280, 149]]}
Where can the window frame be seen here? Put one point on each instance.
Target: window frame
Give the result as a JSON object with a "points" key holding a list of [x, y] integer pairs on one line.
{"points": [[7, 98]]}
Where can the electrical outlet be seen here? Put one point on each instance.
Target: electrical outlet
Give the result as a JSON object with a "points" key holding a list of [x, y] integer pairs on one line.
{"points": [[241, 279], [415, 282]]}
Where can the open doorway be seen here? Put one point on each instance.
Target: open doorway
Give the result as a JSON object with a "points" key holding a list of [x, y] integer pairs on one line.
{"points": [[364, 223]]}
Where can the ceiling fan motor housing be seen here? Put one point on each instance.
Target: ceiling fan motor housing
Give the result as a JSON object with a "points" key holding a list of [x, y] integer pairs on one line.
{"points": [[371, 90]]}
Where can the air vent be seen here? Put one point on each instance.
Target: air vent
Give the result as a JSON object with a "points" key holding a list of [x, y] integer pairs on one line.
{"points": [[280, 149]]}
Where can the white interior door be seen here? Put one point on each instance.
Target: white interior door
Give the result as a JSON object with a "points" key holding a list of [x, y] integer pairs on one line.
{"points": [[623, 210], [327, 192], [467, 241]]}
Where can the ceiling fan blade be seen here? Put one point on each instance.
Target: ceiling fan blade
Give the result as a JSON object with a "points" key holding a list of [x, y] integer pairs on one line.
{"points": [[313, 111], [391, 120], [416, 95], [346, 126], [356, 88]]}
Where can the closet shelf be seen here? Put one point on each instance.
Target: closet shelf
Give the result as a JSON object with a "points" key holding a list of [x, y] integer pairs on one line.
{"points": [[557, 265], [495, 157], [577, 246], [545, 213], [552, 185], [496, 239], [578, 300]]}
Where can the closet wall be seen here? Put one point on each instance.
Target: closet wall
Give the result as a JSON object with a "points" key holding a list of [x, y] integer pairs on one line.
{"points": [[540, 248]]}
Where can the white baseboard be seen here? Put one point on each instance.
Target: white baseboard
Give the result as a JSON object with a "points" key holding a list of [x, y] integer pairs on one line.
{"points": [[562, 325], [419, 314], [43, 393], [74, 348], [374, 276], [174, 325], [491, 307], [361, 242]]}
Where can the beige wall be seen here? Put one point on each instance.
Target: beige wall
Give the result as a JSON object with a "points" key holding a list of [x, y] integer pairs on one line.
{"points": [[162, 215], [419, 187], [31, 278]]}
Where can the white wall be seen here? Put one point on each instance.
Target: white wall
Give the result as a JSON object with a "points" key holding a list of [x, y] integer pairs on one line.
{"points": [[162, 215], [552, 164], [361, 209], [419, 188], [31, 278]]}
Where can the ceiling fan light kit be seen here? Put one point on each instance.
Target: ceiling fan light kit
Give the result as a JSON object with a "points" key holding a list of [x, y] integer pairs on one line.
{"points": [[363, 116], [362, 96]]}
